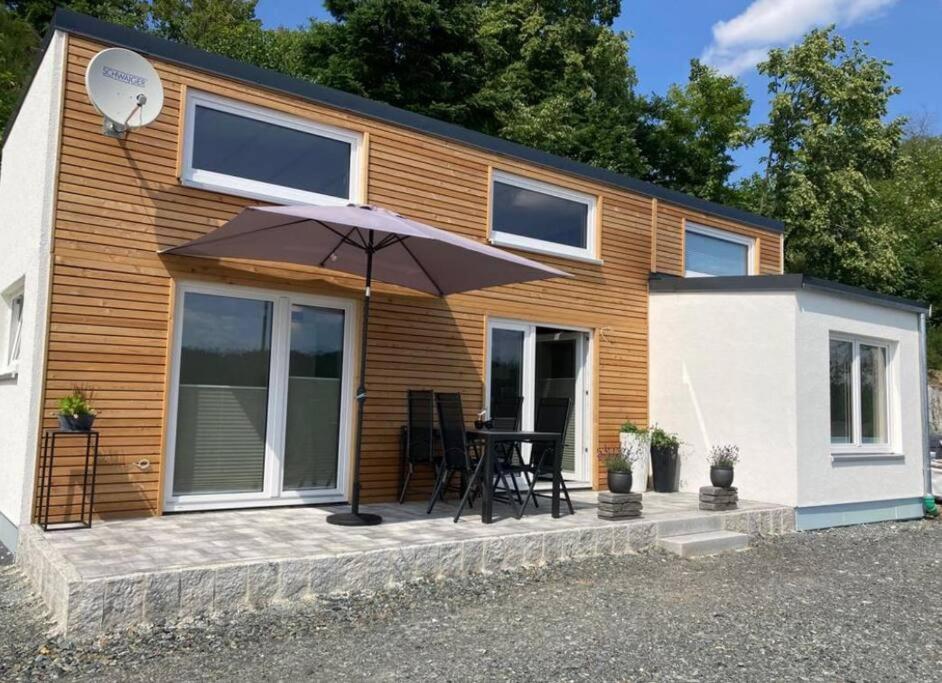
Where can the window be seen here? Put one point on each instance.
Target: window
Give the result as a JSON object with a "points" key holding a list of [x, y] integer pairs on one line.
{"points": [[859, 400], [540, 217], [264, 154], [709, 252], [13, 299]]}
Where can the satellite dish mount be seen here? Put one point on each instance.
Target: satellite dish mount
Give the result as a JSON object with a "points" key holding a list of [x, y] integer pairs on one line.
{"points": [[125, 89]]}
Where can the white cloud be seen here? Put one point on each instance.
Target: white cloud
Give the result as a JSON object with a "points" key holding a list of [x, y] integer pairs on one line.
{"points": [[743, 41]]}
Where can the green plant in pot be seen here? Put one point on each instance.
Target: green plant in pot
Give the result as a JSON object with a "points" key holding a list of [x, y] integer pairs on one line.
{"points": [[664, 448], [722, 461], [76, 413], [618, 461]]}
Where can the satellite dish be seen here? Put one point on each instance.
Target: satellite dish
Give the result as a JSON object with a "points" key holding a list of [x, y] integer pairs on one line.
{"points": [[125, 89]]}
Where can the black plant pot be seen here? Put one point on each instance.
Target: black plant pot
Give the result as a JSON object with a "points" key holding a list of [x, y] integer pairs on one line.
{"points": [[81, 423], [721, 477], [619, 482], [664, 466]]}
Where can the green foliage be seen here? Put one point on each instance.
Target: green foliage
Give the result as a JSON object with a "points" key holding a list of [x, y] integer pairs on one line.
{"points": [[616, 460], [661, 439], [724, 456], [828, 146], [77, 403], [17, 43], [38, 13], [629, 427], [690, 133]]}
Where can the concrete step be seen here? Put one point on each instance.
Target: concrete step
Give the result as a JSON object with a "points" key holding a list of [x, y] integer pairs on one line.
{"points": [[690, 525], [704, 543]]}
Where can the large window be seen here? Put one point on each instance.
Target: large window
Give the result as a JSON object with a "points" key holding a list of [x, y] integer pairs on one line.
{"points": [[532, 215], [13, 303], [258, 398], [245, 150], [859, 394], [709, 252]]}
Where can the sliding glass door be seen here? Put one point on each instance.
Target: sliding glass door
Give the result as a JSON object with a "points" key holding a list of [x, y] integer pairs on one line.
{"points": [[258, 399], [541, 361]]}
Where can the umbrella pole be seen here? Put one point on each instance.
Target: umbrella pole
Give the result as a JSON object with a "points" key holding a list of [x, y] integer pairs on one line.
{"points": [[355, 517]]}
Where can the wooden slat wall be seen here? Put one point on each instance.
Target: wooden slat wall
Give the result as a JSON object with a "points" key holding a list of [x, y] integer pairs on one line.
{"points": [[120, 201]]}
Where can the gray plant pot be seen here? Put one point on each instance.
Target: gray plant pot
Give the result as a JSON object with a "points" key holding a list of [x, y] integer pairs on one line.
{"points": [[619, 482], [721, 477]]}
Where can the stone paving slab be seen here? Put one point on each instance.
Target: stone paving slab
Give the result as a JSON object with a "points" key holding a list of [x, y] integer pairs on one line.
{"points": [[122, 573]]}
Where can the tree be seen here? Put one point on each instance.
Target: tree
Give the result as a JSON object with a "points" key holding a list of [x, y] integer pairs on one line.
{"points": [[416, 54], [689, 133], [828, 146], [911, 203], [230, 28], [38, 13], [17, 43]]}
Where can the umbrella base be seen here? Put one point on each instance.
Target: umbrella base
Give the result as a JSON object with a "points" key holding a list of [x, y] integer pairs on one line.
{"points": [[354, 519]]}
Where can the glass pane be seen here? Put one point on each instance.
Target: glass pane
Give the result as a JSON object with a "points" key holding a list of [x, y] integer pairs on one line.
{"points": [[842, 356], [223, 395], [256, 150], [556, 378], [873, 394], [705, 255], [506, 364], [312, 431], [540, 216]]}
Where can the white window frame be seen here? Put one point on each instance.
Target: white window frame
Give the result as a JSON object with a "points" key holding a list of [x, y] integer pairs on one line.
{"points": [[254, 189], [507, 239], [857, 447], [725, 236], [14, 300], [272, 493]]}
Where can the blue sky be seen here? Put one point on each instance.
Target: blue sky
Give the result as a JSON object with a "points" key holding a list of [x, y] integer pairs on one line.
{"points": [[734, 34]]}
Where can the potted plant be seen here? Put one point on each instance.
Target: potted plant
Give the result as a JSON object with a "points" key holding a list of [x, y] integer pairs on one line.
{"points": [[75, 411], [664, 448], [722, 461], [634, 439], [618, 463]]}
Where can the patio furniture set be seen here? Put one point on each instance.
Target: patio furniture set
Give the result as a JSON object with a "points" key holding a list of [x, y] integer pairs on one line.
{"points": [[489, 458]]}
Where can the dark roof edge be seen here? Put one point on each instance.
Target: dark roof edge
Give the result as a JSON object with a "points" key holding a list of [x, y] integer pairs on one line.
{"points": [[166, 50], [789, 282]]}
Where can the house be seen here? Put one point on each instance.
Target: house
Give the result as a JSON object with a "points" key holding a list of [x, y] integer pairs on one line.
{"points": [[190, 359]]}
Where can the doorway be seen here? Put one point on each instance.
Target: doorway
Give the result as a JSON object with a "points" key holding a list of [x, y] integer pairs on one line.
{"points": [[540, 361], [260, 389]]}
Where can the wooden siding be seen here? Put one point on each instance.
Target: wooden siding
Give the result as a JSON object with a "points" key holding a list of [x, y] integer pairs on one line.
{"points": [[111, 304]]}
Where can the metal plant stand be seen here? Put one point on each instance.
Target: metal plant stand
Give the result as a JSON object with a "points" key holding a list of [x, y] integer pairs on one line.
{"points": [[46, 467]]}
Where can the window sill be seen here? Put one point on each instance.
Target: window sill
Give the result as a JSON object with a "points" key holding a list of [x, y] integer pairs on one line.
{"points": [[234, 187], [509, 244], [867, 456], [9, 375]]}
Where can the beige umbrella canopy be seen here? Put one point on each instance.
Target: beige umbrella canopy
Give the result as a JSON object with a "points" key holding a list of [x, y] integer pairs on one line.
{"points": [[372, 242]]}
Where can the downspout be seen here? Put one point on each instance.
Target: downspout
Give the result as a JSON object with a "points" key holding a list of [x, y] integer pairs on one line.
{"points": [[928, 500]]}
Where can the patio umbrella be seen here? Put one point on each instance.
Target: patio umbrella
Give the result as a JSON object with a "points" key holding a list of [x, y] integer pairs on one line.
{"points": [[372, 242]]}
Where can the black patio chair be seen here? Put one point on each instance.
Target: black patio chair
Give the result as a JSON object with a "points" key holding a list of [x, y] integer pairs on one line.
{"points": [[418, 448], [456, 457], [552, 415], [505, 415]]}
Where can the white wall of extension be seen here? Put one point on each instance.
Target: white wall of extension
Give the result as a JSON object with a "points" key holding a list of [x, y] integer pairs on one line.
{"points": [[27, 194], [752, 369], [723, 371], [894, 473]]}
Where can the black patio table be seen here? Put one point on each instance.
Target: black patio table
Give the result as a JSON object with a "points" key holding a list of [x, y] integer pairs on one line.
{"points": [[490, 437]]}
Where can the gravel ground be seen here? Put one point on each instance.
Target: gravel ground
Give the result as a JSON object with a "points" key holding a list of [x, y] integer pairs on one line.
{"points": [[859, 603]]}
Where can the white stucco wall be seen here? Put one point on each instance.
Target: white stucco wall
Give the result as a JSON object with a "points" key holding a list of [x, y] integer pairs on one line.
{"points": [[826, 479], [27, 186], [752, 368], [723, 371]]}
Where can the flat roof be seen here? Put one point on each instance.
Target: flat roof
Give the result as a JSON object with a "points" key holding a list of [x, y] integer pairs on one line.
{"points": [[177, 53], [789, 282]]}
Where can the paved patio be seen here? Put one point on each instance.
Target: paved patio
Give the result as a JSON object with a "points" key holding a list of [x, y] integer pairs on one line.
{"points": [[125, 572]]}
